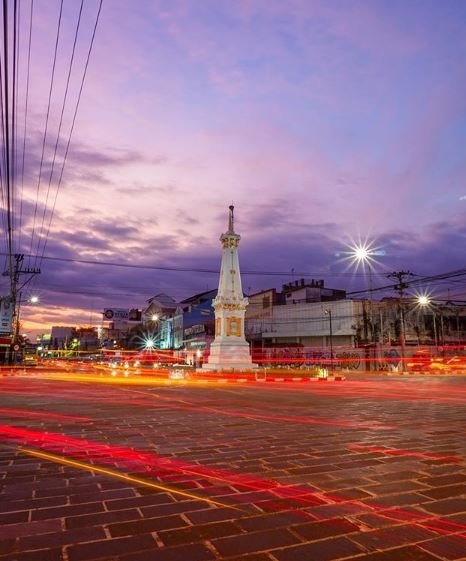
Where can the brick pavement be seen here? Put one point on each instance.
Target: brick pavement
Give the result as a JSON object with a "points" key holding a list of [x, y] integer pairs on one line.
{"points": [[370, 469]]}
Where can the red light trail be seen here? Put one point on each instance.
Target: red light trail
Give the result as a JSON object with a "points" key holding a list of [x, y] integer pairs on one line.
{"points": [[41, 415], [281, 496]]}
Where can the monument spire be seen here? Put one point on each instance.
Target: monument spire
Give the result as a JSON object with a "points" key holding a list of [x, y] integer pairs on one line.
{"points": [[231, 220]]}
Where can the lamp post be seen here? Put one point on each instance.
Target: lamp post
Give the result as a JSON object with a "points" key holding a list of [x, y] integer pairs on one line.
{"points": [[329, 313], [425, 302], [363, 255], [34, 299]]}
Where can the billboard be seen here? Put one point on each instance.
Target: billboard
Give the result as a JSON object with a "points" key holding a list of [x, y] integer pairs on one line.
{"points": [[6, 315], [135, 314], [116, 314]]}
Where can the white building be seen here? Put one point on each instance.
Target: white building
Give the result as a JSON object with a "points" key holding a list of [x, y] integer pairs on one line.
{"points": [[307, 324]]}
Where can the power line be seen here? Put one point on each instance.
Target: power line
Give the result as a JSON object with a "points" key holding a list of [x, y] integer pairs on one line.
{"points": [[61, 122], [7, 143], [71, 132], [3, 179], [14, 119], [46, 126], [441, 276], [167, 268], [417, 281], [25, 121]]}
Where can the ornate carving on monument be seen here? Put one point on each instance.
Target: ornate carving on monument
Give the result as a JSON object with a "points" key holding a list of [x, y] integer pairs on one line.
{"points": [[233, 326], [230, 307]]}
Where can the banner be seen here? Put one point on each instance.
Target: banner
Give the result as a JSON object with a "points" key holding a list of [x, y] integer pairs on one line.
{"points": [[118, 314], [6, 315]]}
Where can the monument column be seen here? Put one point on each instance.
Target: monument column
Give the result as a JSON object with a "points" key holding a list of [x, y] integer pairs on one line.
{"points": [[229, 350]]}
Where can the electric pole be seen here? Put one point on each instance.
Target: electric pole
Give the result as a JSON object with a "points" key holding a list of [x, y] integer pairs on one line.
{"points": [[400, 288], [15, 273]]}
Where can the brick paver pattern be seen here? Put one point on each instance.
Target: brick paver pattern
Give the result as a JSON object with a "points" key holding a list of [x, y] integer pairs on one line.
{"points": [[369, 469]]}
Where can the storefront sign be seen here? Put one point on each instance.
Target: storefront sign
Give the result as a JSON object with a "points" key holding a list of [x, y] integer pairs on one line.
{"points": [[195, 329], [116, 314], [6, 315]]}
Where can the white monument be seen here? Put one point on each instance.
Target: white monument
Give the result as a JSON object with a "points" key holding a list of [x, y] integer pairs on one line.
{"points": [[229, 350]]}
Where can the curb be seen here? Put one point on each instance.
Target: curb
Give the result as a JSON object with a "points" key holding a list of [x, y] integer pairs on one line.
{"points": [[267, 380]]}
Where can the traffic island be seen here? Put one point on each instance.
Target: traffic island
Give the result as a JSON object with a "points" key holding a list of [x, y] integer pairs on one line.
{"points": [[262, 375]]}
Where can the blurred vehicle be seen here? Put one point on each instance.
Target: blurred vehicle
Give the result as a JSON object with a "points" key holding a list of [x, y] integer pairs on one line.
{"points": [[421, 360], [30, 357], [424, 361], [456, 363], [154, 359], [178, 374]]}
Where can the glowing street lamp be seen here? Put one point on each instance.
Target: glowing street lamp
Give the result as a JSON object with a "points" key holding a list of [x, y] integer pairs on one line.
{"points": [[363, 254], [34, 299], [154, 317], [149, 344], [424, 301]]}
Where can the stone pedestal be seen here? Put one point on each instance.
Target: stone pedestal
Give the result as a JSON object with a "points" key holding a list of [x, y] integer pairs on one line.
{"points": [[229, 356]]}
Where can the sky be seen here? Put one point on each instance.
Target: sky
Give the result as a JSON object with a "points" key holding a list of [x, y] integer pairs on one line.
{"points": [[325, 122]]}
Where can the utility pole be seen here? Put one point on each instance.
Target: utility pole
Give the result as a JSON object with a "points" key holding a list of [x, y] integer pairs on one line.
{"points": [[400, 287], [15, 273], [329, 313]]}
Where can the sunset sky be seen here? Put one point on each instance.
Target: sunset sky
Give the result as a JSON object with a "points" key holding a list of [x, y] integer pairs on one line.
{"points": [[323, 121]]}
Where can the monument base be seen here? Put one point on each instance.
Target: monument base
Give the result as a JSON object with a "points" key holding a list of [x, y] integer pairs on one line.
{"points": [[228, 356], [226, 367]]}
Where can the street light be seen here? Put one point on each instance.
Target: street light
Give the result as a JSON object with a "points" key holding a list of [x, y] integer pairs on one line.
{"points": [[17, 324], [329, 313], [154, 317], [149, 344], [424, 301], [362, 255]]}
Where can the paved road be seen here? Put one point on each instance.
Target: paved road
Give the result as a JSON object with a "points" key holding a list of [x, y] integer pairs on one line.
{"points": [[367, 469]]}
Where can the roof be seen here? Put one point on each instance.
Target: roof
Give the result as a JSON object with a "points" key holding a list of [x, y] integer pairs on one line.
{"points": [[262, 292], [206, 295], [163, 299]]}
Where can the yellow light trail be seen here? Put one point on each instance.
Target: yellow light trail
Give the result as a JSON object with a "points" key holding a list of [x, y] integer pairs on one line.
{"points": [[122, 476], [109, 380]]}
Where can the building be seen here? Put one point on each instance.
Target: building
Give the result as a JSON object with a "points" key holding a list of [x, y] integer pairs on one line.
{"points": [[159, 306], [304, 324], [62, 337], [193, 324], [116, 327], [303, 290]]}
